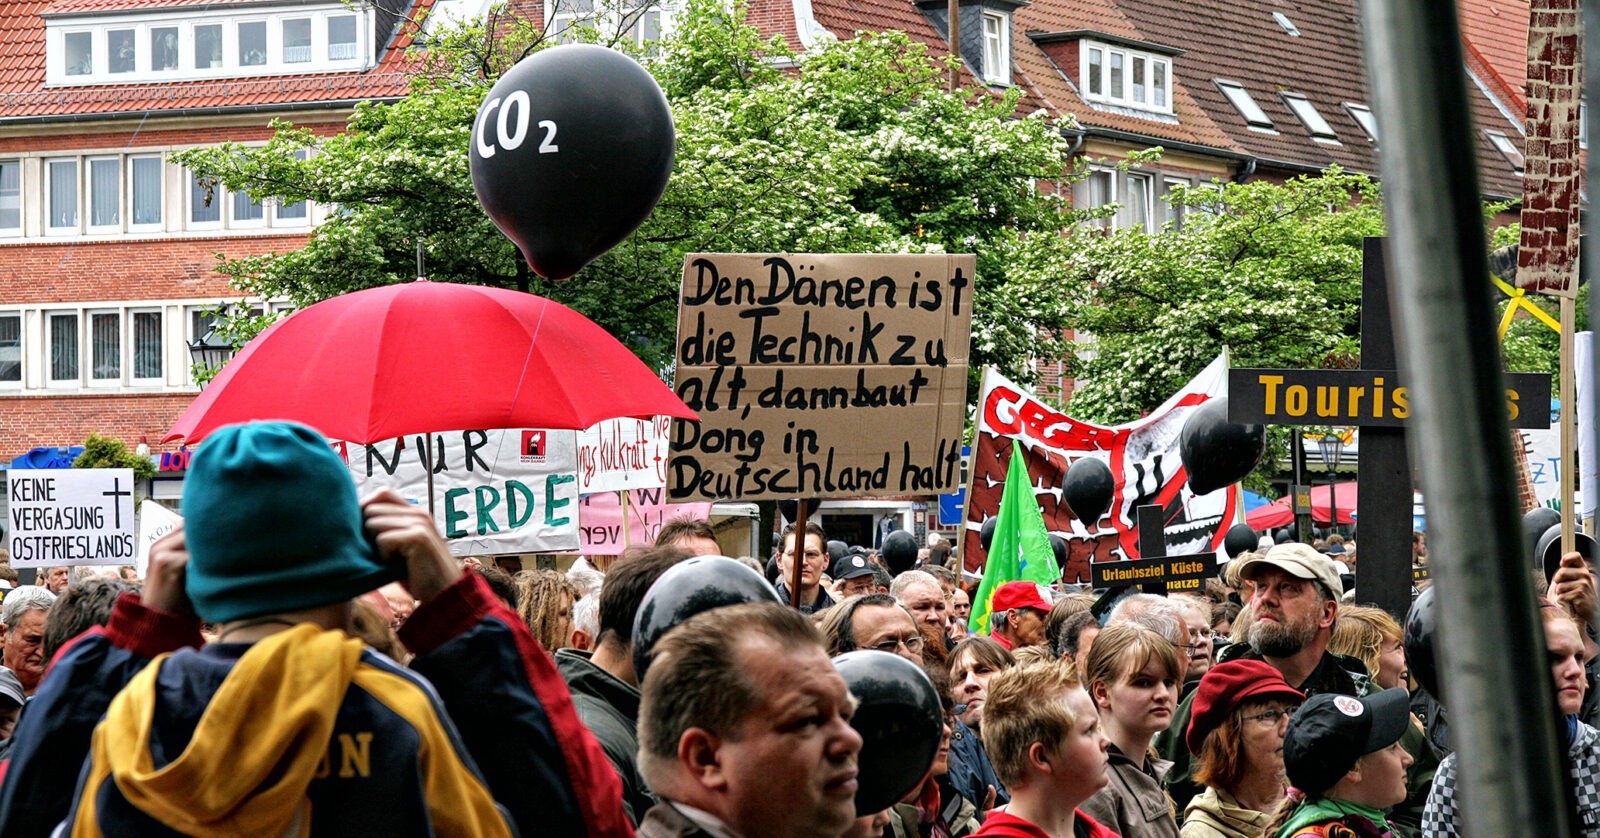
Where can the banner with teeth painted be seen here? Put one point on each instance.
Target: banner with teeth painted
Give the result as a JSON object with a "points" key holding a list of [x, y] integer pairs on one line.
{"points": [[1144, 462]]}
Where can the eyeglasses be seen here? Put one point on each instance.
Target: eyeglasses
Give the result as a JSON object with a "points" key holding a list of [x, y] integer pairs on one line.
{"points": [[912, 644], [813, 555], [1187, 647], [1271, 717]]}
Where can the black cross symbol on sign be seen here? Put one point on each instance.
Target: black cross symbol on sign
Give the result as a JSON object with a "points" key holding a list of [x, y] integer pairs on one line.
{"points": [[1154, 572], [117, 492]]}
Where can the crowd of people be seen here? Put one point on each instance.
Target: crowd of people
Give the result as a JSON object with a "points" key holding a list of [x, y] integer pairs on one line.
{"points": [[347, 676]]}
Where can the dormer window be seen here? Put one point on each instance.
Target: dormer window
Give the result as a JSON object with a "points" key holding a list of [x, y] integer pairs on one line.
{"points": [[168, 45], [1310, 117], [1117, 75], [996, 48]]}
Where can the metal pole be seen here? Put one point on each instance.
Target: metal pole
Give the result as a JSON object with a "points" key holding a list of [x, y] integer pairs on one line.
{"points": [[1512, 776]]}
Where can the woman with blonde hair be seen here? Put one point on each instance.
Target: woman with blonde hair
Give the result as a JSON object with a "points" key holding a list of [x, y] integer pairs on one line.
{"points": [[1373, 637], [1133, 678]]}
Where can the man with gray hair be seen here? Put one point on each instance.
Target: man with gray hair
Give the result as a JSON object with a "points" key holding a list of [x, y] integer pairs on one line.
{"points": [[22, 618], [920, 593], [1161, 615]]}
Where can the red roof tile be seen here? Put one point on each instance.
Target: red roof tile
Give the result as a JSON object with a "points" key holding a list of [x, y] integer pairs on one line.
{"points": [[1495, 35]]}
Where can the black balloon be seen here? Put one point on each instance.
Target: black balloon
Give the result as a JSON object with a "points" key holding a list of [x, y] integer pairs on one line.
{"points": [[1283, 535], [899, 551], [900, 721], [790, 509], [1087, 488], [1418, 639], [1534, 524], [836, 551], [986, 533], [571, 150], [1549, 549], [1058, 546], [1240, 539], [686, 589], [1217, 452]]}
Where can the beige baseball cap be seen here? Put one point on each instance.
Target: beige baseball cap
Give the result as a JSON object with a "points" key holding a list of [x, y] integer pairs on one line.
{"points": [[1297, 560]]}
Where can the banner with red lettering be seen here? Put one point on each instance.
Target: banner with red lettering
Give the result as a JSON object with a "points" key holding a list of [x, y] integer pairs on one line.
{"points": [[1144, 462]]}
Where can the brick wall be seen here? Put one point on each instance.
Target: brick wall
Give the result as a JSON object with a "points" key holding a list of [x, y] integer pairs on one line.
{"points": [[144, 269], [28, 422]]}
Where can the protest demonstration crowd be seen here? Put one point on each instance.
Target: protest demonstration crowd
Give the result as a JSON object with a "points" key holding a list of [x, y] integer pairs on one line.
{"points": [[348, 676]]}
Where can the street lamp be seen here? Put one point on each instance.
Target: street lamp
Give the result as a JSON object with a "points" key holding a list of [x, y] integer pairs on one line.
{"points": [[1332, 446], [209, 351]]}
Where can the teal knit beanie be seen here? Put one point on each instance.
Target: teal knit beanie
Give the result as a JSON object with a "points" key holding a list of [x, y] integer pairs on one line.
{"points": [[272, 524]]}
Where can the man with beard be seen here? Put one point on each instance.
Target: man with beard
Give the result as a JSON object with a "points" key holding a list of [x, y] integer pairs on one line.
{"points": [[1295, 599]]}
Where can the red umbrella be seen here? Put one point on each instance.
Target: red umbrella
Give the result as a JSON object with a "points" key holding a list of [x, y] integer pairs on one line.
{"points": [[1279, 513], [423, 357]]}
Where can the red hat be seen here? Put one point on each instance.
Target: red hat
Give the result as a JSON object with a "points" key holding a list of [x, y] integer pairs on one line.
{"points": [[1018, 595], [1226, 686]]}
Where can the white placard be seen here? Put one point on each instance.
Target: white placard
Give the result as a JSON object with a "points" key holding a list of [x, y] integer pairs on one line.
{"points": [[155, 521], [70, 517], [497, 491], [621, 454]]}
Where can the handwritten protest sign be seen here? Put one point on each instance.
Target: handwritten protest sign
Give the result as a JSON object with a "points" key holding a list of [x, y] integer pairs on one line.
{"points": [[499, 491], [647, 511], [821, 375], [155, 521], [70, 516], [621, 454]]}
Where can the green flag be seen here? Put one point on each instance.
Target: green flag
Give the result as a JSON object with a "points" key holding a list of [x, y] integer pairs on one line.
{"points": [[1021, 545]]}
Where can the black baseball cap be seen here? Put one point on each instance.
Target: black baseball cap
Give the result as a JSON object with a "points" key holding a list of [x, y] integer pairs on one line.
{"points": [[1330, 732], [850, 566]]}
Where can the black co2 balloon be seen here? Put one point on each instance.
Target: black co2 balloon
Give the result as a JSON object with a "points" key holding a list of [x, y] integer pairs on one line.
{"points": [[900, 722], [1217, 452], [899, 551], [686, 589], [571, 150], [1087, 489], [1240, 539]]}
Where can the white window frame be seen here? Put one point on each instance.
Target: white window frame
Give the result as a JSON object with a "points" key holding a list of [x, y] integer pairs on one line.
{"points": [[86, 213], [50, 228], [1364, 118], [1128, 213], [1096, 85], [606, 16], [22, 339], [186, 23], [1507, 149], [1168, 212], [130, 204], [88, 370], [21, 196], [130, 350], [275, 206], [50, 316], [1310, 117], [218, 196], [1254, 117], [996, 48]]}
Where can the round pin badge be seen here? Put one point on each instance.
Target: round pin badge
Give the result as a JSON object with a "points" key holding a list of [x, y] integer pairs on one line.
{"points": [[1349, 706]]}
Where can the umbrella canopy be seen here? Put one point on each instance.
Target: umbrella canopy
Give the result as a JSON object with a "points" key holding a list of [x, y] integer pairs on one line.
{"points": [[423, 357], [1280, 513]]}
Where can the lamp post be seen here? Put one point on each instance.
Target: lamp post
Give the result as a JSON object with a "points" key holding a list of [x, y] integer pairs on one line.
{"points": [[210, 351], [1332, 446]]}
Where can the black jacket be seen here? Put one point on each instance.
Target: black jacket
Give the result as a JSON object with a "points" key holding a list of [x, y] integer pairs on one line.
{"points": [[609, 707]]}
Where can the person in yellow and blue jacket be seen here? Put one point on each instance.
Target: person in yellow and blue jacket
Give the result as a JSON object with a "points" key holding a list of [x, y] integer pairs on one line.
{"points": [[286, 726]]}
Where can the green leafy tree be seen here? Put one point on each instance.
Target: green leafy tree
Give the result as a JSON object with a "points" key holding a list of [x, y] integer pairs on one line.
{"points": [[1271, 272], [859, 148], [103, 452]]}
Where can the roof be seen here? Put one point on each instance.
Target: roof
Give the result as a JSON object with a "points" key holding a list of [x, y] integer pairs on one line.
{"points": [[24, 96], [1494, 35]]}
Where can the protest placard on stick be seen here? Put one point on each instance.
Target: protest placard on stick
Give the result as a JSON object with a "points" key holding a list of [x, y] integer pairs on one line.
{"points": [[820, 376]]}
